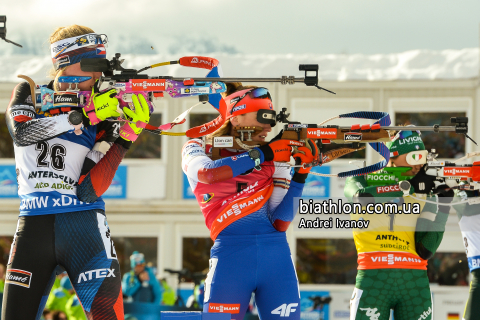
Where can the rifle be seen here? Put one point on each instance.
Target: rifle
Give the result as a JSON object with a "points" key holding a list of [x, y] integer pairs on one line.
{"points": [[130, 81], [453, 174], [351, 138], [3, 31]]}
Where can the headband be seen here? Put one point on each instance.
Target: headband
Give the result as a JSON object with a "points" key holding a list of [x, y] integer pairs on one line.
{"points": [[240, 103], [69, 51], [405, 141]]}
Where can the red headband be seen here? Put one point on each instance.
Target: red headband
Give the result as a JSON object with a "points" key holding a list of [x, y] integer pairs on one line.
{"points": [[236, 105]]}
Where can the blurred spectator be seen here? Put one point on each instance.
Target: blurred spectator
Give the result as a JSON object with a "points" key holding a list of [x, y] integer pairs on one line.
{"points": [[58, 298], [74, 309], [168, 296], [47, 315], [59, 315], [140, 284], [61, 273], [2, 277], [199, 293]]}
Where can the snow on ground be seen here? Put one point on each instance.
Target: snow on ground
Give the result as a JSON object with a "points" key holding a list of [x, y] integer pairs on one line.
{"points": [[414, 64]]}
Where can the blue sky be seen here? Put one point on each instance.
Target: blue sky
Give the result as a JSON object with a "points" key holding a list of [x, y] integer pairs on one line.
{"points": [[254, 26]]}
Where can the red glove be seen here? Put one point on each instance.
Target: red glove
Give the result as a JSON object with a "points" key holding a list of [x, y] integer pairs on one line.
{"points": [[279, 150], [305, 156]]}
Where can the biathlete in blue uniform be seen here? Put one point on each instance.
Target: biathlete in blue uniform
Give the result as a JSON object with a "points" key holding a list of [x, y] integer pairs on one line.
{"points": [[62, 172], [247, 199]]}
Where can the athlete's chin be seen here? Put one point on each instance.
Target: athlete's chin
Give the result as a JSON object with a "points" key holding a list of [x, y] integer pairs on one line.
{"points": [[259, 139], [412, 172]]}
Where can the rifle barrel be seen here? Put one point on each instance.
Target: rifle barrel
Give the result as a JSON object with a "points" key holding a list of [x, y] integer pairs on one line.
{"points": [[421, 128], [282, 80]]}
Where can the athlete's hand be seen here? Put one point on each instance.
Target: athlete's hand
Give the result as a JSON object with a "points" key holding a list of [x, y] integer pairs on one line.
{"points": [[130, 131], [279, 150], [445, 196], [102, 106], [422, 182], [305, 156]]}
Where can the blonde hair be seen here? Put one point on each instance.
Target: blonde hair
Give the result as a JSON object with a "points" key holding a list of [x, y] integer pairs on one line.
{"points": [[225, 129], [62, 33]]}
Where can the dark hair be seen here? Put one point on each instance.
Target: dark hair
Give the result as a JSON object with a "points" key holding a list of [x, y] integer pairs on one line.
{"points": [[233, 87]]}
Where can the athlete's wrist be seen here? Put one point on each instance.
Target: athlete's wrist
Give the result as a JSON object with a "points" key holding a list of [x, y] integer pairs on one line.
{"points": [[124, 142], [299, 177], [267, 152]]}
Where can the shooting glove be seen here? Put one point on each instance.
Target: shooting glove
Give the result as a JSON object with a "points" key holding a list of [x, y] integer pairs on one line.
{"points": [[130, 131], [305, 156], [422, 183], [101, 106], [279, 150]]}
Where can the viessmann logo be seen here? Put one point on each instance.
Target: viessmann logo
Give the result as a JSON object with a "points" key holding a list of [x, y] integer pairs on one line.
{"points": [[322, 133], [150, 84], [224, 307], [455, 171], [392, 259]]}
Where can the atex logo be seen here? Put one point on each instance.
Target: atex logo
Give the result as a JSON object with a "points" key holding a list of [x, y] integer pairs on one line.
{"points": [[285, 309], [96, 274], [455, 171], [224, 307]]}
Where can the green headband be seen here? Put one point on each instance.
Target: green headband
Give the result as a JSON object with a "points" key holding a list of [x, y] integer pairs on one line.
{"points": [[405, 142]]}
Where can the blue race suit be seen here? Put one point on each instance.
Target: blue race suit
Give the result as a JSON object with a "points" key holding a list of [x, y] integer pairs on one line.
{"points": [[247, 212]]}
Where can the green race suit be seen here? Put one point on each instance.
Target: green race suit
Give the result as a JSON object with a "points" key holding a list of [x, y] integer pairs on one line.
{"points": [[392, 255]]}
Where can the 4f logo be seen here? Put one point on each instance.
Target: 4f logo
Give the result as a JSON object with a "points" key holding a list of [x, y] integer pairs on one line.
{"points": [[285, 309], [371, 313]]}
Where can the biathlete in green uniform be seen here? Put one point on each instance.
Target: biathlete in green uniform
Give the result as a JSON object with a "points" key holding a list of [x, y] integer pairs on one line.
{"points": [[393, 250]]}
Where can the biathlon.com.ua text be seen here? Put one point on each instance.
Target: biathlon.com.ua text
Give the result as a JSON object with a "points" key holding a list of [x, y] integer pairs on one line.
{"points": [[331, 207]]}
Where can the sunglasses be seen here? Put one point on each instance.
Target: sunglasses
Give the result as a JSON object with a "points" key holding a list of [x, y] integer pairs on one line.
{"points": [[255, 93], [405, 134]]}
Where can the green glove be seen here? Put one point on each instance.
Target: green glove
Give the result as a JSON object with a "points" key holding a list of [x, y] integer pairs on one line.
{"points": [[130, 131], [102, 106]]}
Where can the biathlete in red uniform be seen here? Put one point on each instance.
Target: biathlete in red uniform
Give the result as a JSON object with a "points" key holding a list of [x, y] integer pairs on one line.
{"points": [[248, 200]]}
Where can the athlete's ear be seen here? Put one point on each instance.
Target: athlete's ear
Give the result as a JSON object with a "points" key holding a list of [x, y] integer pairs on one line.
{"points": [[391, 163], [234, 121]]}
